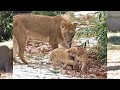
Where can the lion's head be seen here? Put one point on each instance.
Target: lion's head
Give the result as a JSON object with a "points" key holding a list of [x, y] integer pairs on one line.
{"points": [[76, 51], [68, 32]]}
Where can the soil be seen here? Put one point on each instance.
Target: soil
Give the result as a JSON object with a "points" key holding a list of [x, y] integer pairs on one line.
{"points": [[40, 67]]}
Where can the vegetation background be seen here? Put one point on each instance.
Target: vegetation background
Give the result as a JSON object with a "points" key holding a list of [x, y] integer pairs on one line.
{"points": [[6, 25]]}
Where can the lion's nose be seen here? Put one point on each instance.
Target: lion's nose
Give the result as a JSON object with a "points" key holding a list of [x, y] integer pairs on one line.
{"points": [[69, 41]]}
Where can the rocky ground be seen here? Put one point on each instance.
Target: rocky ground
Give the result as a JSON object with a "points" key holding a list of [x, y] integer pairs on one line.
{"points": [[113, 64]]}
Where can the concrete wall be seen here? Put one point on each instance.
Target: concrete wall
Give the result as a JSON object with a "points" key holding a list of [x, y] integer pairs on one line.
{"points": [[113, 21], [114, 13]]}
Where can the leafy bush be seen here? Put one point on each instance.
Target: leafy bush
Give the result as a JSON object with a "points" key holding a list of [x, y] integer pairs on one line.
{"points": [[101, 32], [6, 19], [49, 13], [97, 29]]}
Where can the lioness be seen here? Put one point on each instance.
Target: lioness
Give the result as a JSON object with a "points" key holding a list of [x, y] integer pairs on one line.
{"points": [[6, 59], [67, 46], [45, 28], [64, 45]]}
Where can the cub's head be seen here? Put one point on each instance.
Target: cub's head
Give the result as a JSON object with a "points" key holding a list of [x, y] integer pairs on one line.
{"points": [[76, 51], [68, 31]]}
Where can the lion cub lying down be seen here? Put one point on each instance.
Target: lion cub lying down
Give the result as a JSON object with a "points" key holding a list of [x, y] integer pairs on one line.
{"points": [[80, 55], [70, 56]]}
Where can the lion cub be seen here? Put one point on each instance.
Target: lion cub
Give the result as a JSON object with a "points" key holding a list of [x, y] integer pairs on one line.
{"points": [[79, 54], [69, 59], [60, 56]]}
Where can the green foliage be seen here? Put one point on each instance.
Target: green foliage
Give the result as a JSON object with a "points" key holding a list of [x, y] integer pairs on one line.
{"points": [[101, 32], [97, 29], [6, 19], [49, 13]]}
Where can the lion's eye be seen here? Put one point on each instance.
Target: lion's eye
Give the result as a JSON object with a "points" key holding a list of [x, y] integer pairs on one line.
{"points": [[65, 34], [71, 33]]}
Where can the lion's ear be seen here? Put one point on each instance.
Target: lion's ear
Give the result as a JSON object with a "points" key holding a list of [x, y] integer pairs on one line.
{"points": [[63, 25], [75, 24]]}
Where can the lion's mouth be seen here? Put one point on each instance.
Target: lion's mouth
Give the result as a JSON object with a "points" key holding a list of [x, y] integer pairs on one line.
{"points": [[68, 44]]}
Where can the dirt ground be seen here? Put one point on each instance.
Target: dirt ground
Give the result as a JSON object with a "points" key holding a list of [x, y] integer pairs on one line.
{"points": [[6, 76], [113, 64], [38, 69], [41, 68]]}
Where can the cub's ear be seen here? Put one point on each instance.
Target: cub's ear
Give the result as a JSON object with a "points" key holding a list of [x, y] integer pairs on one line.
{"points": [[68, 50], [63, 25], [81, 50]]}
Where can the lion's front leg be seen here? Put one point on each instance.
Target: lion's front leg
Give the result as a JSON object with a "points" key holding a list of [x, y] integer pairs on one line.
{"points": [[83, 67], [21, 53], [15, 46], [22, 44]]}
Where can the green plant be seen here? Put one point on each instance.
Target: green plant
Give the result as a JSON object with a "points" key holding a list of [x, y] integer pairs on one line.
{"points": [[49, 13], [101, 26], [98, 30], [6, 19]]}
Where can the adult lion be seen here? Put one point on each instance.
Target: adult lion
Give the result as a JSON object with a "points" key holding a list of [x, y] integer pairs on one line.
{"points": [[45, 28]]}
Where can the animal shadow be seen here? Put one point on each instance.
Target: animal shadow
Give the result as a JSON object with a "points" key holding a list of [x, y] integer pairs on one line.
{"points": [[111, 68], [114, 40]]}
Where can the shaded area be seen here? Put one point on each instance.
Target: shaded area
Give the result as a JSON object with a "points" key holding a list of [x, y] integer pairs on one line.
{"points": [[110, 68], [21, 12], [113, 62], [6, 25], [114, 40]]}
